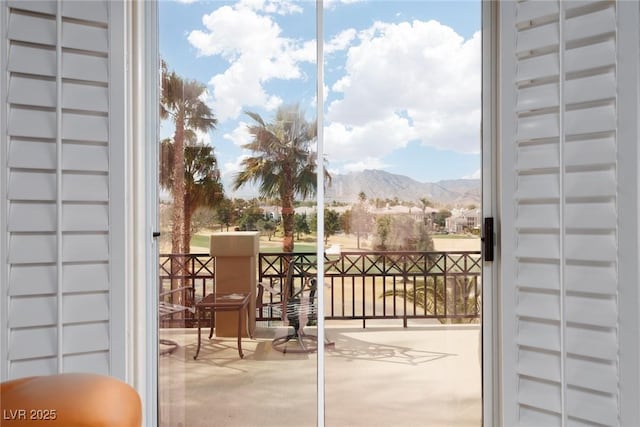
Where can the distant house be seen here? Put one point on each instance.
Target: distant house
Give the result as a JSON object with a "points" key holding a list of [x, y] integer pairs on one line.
{"points": [[463, 220], [273, 212]]}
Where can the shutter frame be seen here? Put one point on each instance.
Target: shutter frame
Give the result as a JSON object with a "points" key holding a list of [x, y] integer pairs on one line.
{"points": [[628, 216], [4, 152], [592, 301], [72, 272]]}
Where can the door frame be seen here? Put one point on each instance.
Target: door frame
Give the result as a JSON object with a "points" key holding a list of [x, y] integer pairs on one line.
{"points": [[142, 159], [143, 360], [491, 368]]}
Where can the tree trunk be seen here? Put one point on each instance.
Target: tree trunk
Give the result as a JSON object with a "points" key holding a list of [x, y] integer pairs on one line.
{"points": [[287, 211], [186, 242], [287, 224], [177, 226], [188, 213]]}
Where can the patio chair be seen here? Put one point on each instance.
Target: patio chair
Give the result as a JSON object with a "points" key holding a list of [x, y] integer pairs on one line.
{"points": [[167, 309], [297, 309], [277, 298]]}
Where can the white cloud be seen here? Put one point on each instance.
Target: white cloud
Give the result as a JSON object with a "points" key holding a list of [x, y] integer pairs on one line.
{"points": [[366, 163], [186, 1], [257, 52], [476, 175], [203, 137], [280, 7], [341, 41], [228, 176], [407, 81], [239, 88], [332, 4], [230, 169], [347, 143], [228, 172], [240, 135]]}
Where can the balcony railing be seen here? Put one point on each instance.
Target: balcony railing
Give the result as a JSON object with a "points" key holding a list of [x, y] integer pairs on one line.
{"points": [[445, 286]]}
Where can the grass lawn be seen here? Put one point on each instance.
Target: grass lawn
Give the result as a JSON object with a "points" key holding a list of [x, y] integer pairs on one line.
{"points": [[200, 241], [454, 236], [297, 247], [443, 242]]}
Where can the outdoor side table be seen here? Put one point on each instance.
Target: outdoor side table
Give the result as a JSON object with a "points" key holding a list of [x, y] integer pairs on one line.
{"points": [[223, 301]]}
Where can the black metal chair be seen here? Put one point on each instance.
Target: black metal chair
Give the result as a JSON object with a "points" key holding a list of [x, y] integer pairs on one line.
{"points": [[296, 307], [300, 310]]}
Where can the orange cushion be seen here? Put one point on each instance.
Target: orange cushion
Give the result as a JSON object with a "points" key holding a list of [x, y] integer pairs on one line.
{"points": [[69, 400]]}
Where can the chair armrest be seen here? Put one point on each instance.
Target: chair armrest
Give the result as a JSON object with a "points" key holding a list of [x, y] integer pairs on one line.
{"points": [[167, 308], [269, 288], [278, 305], [173, 291]]}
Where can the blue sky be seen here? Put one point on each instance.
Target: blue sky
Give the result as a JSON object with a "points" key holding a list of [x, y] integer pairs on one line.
{"points": [[402, 78]]}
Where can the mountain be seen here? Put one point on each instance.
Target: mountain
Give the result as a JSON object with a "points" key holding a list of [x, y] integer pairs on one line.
{"points": [[385, 185]]}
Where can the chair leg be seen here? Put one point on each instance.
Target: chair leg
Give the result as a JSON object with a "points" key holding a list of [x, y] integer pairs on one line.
{"points": [[212, 323], [171, 346], [198, 316], [304, 343], [301, 343]]}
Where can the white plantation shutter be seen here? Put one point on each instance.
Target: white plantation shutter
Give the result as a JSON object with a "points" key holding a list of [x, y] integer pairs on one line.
{"points": [[62, 141], [565, 146]]}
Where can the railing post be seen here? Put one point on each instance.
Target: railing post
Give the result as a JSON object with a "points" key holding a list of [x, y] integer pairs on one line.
{"points": [[404, 290], [445, 277]]}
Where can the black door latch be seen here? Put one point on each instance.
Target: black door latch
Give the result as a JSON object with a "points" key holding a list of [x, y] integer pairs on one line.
{"points": [[487, 239]]}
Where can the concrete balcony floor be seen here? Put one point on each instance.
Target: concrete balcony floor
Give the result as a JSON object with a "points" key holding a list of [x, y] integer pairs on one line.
{"points": [[384, 375]]}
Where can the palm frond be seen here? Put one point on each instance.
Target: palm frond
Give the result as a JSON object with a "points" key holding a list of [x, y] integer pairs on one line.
{"points": [[435, 298]]}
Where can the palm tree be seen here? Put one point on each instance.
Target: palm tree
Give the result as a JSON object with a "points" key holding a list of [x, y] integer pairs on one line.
{"points": [[283, 162], [425, 203], [201, 178], [361, 216], [362, 197], [181, 102]]}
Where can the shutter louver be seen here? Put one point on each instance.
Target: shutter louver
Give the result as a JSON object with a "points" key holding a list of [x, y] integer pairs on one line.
{"points": [[561, 93], [35, 60], [58, 136]]}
